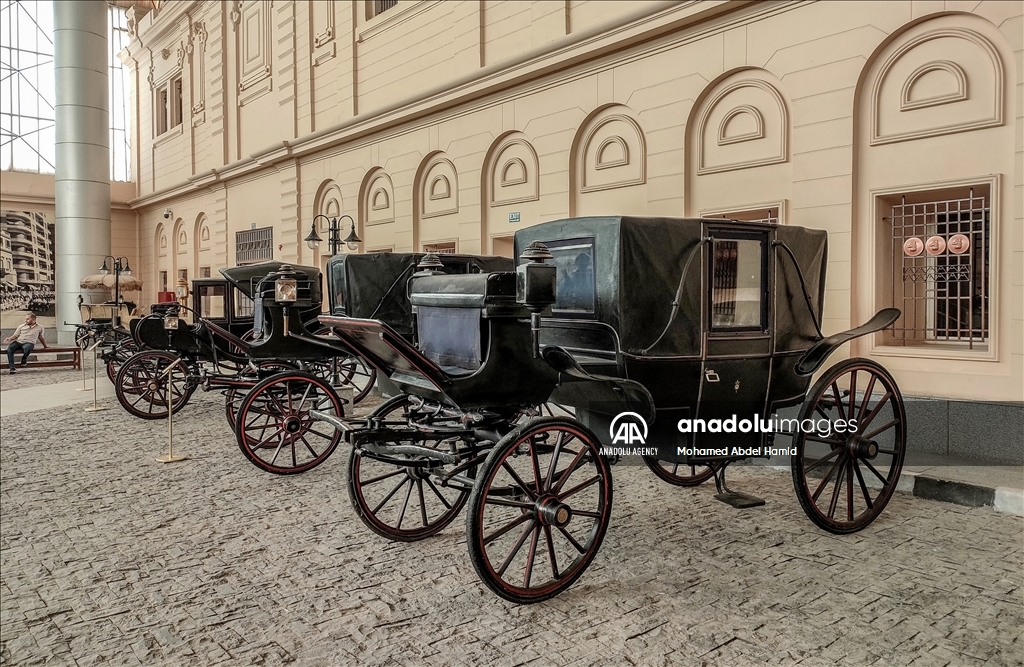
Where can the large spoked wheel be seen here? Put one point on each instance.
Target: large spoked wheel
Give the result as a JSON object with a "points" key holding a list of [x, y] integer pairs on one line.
{"points": [[844, 479], [275, 430], [679, 474], [234, 396], [142, 384], [400, 496], [118, 355], [539, 509]]}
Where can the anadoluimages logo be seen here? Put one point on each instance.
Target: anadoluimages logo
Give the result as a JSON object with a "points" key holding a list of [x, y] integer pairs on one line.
{"points": [[628, 428]]}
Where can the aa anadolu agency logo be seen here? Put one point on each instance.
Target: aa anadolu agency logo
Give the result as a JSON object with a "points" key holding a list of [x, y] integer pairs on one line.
{"points": [[628, 432]]}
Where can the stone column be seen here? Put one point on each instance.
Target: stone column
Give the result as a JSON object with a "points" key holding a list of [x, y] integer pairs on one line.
{"points": [[83, 150]]}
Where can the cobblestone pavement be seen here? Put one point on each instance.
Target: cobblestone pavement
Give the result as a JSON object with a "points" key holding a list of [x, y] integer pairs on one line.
{"points": [[108, 557]]}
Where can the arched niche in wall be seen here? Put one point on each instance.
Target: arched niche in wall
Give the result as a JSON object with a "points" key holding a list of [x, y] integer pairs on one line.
{"points": [[942, 80], [511, 189], [740, 122], [931, 138], [376, 209], [202, 245], [179, 254], [164, 260], [437, 195], [609, 153], [378, 198]]}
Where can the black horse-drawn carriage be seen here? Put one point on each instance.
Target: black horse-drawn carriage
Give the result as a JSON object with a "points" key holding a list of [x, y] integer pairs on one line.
{"points": [[695, 332]]}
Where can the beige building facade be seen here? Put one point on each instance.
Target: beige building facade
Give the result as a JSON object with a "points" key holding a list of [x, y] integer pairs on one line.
{"points": [[896, 126]]}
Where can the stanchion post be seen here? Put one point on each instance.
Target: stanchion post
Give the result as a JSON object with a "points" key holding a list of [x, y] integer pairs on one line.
{"points": [[170, 457], [81, 357], [95, 407]]}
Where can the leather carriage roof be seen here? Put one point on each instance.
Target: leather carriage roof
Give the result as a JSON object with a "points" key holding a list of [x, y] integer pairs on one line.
{"points": [[637, 264], [241, 276]]}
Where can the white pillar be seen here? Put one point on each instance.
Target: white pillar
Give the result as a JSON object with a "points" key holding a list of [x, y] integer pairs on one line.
{"points": [[83, 150]]}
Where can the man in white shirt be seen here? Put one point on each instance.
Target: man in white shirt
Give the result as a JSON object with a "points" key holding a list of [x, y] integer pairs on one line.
{"points": [[24, 338]]}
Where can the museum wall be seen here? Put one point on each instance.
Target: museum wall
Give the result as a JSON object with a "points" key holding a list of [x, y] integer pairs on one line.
{"points": [[434, 124]]}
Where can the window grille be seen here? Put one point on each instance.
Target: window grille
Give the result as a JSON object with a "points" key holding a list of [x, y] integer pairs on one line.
{"points": [[941, 281], [381, 6], [440, 248], [254, 245]]}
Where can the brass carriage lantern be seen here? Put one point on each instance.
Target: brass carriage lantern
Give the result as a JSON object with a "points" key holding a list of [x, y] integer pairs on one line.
{"points": [[181, 291], [286, 290]]}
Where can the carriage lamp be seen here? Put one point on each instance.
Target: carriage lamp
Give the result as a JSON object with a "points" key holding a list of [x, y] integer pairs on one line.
{"points": [[352, 241], [430, 262], [171, 322], [181, 291], [535, 286], [286, 290]]}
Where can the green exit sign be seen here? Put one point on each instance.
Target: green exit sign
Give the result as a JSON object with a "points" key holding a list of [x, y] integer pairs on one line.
{"points": [[513, 217]]}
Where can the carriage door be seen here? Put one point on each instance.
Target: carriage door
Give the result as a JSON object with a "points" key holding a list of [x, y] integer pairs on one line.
{"points": [[737, 345]]}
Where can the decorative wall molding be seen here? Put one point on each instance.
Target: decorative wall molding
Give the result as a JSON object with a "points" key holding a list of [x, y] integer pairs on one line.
{"points": [[958, 91], [255, 46], [971, 107], [767, 143], [513, 172], [378, 199], [438, 187], [612, 153], [513, 175], [197, 59], [322, 26], [724, 138]]}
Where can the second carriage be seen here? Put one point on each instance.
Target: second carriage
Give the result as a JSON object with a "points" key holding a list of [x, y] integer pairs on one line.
{"points": [[663, 323]]}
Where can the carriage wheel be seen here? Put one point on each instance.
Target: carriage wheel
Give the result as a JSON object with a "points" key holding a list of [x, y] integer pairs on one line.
{"points": [[234, 396], [539, 509], [844, 480], [679, 474], [141, 384], [404, 502], [119, 354], [81, 336], [274, 429]]}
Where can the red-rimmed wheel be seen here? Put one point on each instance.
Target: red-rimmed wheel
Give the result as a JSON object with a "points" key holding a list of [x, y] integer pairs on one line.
{"points": [[679, 474], [539, 509], [234, 396], [275, 430], [845, 476], [143, 383], [401, 496], [117, 355]]}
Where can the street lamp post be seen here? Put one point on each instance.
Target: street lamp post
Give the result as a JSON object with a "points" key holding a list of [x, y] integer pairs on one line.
{"points": [[352, 241], [119, 268]]}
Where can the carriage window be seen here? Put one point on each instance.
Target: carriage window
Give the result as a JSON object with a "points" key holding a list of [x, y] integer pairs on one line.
{"points": [[737, 288], [575, 290], [243, 305], [211, 301]]}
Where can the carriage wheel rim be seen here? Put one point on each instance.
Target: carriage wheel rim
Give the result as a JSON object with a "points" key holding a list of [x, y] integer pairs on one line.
{"points": [[842, 499], [539, 526], [274, 421], [419, 500]]}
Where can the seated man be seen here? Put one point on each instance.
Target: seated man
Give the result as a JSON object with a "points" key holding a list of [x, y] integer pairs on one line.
{"points": [[25, 338]]}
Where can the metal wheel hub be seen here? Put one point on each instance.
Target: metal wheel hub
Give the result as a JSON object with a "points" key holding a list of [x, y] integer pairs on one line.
{"points": [[861, 448], [552, 512], [292, 424], [154, 385]]}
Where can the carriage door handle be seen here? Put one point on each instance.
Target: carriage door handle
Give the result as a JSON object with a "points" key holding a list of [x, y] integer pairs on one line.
{"points": [[711, 376]]}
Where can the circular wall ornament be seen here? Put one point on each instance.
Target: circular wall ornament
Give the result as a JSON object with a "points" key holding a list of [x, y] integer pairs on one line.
{"points": [[935, 245], [959, 244], [913, 247]]}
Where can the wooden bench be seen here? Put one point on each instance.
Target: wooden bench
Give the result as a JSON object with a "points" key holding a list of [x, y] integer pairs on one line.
{"points": [[75, 361]]}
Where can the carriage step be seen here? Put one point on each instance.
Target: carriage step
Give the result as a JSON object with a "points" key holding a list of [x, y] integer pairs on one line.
{"points": [[739, 500]]}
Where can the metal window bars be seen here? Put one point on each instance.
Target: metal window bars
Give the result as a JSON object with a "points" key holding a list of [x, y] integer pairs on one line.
{"points": [[940, 277], [254, 245]]}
